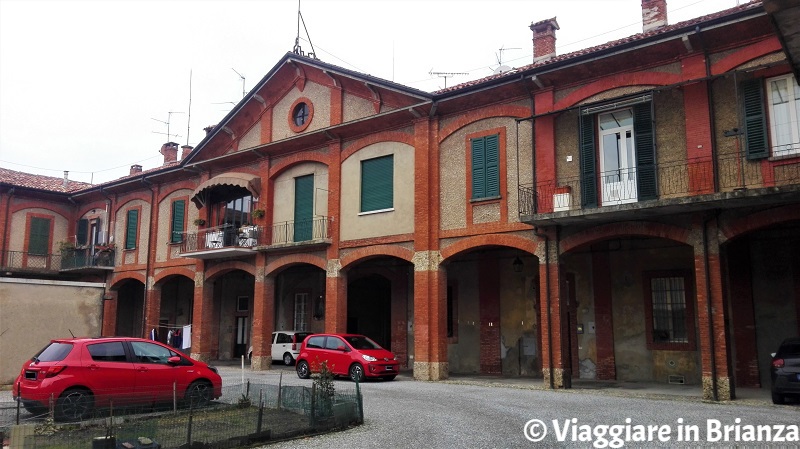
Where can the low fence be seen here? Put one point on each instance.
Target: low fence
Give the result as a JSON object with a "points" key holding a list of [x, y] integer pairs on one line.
{"points": [[248, 413]]}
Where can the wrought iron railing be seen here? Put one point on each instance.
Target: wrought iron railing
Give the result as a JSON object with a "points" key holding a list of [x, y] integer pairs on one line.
{"points": [[97, 256], [219, 237], [673, 180], [296, 231], [23, 261]]}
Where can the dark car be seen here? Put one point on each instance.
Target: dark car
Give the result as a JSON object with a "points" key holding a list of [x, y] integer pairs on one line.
{"points": [[786, 370], [79, 374], [346, 355]]}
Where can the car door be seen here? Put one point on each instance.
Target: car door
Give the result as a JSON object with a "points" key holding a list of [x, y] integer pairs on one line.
{"points": [[337, 355], [155, 376], [108, 373], [279, 341]]}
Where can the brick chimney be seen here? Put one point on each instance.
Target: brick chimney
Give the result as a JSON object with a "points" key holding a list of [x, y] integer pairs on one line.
{"points": [[544, 39], [654, 14], [66, 178], [185, 150], [170, 152], [136, 168]]}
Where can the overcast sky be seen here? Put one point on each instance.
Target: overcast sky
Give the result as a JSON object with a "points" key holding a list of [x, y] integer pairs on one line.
{"points": [[87, 86]]}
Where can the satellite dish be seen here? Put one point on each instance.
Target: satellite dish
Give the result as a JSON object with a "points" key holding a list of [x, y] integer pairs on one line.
{"points": [[502, 69]]}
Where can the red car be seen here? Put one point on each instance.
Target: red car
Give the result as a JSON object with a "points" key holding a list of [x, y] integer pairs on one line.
{"points": [[346, 355], [80, 374]]}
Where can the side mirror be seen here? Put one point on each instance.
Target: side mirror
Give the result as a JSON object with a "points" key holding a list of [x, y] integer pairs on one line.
{"points": [[772, 354], [174, 360]]}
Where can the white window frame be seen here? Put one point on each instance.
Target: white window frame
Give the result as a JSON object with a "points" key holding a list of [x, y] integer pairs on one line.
{"points": [[301, 311], [793, 125]]}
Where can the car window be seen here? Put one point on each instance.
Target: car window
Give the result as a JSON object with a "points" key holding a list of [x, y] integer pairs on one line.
{"points": [[54, 352], [111, 351], [790, 349], [284, 338], [333, 343], [151, 353], [361, 342], [300, 336], [315, 342]]}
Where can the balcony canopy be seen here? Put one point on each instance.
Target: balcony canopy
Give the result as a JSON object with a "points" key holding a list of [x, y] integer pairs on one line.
{"points": [[226, 187]]}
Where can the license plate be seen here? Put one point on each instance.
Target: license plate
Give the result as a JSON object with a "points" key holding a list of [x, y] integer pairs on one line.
{"points": [[390, 368], [30, 375]]}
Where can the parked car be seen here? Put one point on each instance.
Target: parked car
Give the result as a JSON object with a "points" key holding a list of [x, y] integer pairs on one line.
{"points": [[350, 355], [285, 346], [80, 374], [786, 370]]}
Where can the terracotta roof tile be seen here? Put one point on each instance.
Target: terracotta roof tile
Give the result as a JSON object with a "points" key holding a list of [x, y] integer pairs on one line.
{"points": [[607, 45], [53, 184]]}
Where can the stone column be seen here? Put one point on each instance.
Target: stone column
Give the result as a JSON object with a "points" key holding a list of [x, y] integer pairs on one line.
{"points": [[336, 298], [430, 317]]}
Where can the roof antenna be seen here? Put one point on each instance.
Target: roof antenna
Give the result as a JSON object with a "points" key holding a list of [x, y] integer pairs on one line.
{"points": [[242, 78], [189, 120], [297, 49], [169, 119], [446, 75], [70, 332]]}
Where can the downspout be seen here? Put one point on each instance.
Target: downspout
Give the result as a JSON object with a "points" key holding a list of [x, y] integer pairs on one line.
{"points": [[149, 244], [5, 219], [709, 309], [711, 110]]}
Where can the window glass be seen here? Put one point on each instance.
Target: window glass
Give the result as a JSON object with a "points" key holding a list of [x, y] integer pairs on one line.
{"points": [[315, 342], [284, 338], [300, 114], [361, 342], [784, 110], [151, 353], [669, 310], [112, 351], [334, 343], [54, 352]]}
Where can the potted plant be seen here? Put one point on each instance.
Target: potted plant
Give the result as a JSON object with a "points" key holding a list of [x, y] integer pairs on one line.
{"points": [[258, 213], [199, 222]]}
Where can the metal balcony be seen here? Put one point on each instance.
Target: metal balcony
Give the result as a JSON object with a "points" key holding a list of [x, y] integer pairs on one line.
{"points": [[77, 260]]}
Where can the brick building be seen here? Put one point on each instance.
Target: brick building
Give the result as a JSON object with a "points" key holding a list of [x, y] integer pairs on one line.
{"points": [[626, 211]]}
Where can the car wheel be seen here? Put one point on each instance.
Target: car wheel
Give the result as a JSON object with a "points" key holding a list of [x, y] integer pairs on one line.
{"points": [[357, 373], [74, 404], [288, 360], [777, 398], [302, 370], [198, 394]]}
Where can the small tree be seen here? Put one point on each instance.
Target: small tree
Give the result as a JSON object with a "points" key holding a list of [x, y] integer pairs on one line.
{"points": [[325, 389]]}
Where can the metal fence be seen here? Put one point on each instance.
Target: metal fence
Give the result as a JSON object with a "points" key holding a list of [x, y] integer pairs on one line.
{"points": [[248, 413]]}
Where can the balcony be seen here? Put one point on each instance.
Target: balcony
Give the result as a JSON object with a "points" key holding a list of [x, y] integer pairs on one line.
{"points": [[682, 186], [229, 241], [80, 261]]}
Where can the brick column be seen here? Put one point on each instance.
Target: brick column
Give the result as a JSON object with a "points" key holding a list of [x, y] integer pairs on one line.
{"points": [[430, 317], [335, 298], [603, 316], [555, 367], [743, 321], [263, 319], [202, 318], [110, 313], [711, 315], [152, 310]]}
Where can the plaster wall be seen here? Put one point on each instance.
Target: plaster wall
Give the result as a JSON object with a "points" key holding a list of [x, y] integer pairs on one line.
{"points": [[18, 229], [356, 107], [283, 198], [398, 220], [139, 254], [164, 227], [320, 98]]}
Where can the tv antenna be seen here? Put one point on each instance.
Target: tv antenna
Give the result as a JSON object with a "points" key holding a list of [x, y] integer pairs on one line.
{"points": [[242, 78], [499, 54], [297, 49], [446, 75], [169, 118]]}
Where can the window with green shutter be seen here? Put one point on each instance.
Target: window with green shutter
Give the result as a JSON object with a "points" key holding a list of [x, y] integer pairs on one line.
{"points": [[82, 233], [131, 226], [39, 237], [303, 207], [178, 217], [485, 167], [377, 184], [755, 121]]}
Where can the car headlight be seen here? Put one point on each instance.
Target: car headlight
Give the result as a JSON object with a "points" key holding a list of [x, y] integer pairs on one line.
{"points": [[368, 358]]}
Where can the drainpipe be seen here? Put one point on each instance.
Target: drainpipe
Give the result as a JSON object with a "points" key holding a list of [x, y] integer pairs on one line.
{"points": [[5, 219], [711, 110], [709, 309], [149, 243]]}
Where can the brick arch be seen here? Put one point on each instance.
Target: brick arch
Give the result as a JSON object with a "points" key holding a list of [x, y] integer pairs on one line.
{"points": [[614, 82], [120, 278], [470, 243], [87, 207], [745, 55], [189, 185], [759, 220], [504, 110], [226, 267], [59, 210], [295, 159], [295, 259], [613, 230], [391, 136], [171, 272], [362, 254]]}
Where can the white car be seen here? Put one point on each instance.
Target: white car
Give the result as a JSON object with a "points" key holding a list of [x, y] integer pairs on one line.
{"points": [[285, 345]]}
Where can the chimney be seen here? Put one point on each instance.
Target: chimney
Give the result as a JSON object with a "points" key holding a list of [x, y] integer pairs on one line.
{"points": [[136, 168], [208, 129], [185, 150], [170, 152], [66, 177], [544, 39], [654, 14]]}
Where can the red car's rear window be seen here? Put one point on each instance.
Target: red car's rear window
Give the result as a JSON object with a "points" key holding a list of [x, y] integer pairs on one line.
{"points": [[54, 352]]}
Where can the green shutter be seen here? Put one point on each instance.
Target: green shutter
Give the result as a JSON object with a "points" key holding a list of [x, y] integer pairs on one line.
{"points": [[644, 138], [39, 238], [178, 217], [587, 151], [303, 207], [755, 120], [478, 168], [82, 232], [377, 184], [130, 231]]}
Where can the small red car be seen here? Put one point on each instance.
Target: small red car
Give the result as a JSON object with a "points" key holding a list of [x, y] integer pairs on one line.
{"points": [[346, 355], [79, 374]]}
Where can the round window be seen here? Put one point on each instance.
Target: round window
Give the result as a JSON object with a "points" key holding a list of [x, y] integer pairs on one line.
{"points": [[300, 114]]}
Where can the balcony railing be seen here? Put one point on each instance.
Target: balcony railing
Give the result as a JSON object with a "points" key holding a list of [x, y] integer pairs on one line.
{"points": [[91, 257], [247, 237], [27, 262], [676, 179]]}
